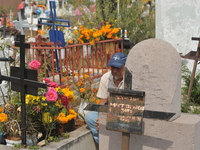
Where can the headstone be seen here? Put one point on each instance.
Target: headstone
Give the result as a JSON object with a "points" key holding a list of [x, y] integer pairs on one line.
{"points": [[156, 69], [155, 66]]}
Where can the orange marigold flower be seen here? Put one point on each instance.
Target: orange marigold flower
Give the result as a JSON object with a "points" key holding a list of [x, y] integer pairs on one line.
{"points": [[63, 79], [1, 109], [86, 76], [80, 83], [98, 101], [71, 41], [75, 32], [93, 99], [82, 90], [3, 117], [92, 42]]}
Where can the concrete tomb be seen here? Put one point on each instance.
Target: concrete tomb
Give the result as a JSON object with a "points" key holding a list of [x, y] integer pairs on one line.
{"points": [[155, 66]]}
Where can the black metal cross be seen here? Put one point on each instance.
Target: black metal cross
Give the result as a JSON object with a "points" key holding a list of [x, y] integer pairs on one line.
{"points": [[24, 81], [125, 111]]}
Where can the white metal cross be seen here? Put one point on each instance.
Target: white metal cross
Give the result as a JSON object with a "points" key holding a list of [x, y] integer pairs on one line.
{"points": [[20, 25]]}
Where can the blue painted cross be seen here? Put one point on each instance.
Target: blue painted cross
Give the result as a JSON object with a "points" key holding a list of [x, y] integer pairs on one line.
{"points": [[56, 35]]}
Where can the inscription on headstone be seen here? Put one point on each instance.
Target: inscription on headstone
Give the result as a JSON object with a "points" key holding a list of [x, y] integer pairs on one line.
{"points": [[125, 113]]}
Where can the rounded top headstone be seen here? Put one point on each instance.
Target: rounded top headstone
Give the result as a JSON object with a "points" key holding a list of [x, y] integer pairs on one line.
{"points": [[156, 69]]}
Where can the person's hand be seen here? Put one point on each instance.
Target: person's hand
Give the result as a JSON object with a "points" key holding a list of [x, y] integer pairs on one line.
{"points": [[97, 124]]}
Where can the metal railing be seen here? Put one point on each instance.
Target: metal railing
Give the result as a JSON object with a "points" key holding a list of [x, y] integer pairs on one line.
{"points": [[75, 59]]}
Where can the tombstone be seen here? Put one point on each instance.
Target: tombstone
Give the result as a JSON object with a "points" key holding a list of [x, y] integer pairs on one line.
{"points": [[156, 69]]}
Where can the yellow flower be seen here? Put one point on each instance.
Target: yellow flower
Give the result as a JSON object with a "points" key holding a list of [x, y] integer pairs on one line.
{"points": [[62, 118], [47, 118], [82, 90]]}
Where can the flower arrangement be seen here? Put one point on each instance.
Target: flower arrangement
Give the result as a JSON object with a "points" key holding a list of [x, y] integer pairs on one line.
{"points": [[85, 35], [3, 118], [84, 88], [50, 107]]}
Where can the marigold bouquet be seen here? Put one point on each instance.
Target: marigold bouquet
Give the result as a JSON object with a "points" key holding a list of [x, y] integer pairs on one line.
{"points": [[85, 35], [84, 88]]}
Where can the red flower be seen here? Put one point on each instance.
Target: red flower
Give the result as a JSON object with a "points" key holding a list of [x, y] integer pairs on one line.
{"points": [[64, 100], [47, 80], [53, 84]]}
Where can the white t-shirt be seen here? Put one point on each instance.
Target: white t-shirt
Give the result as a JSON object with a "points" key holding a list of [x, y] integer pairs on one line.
{"points": [[105, 83]]}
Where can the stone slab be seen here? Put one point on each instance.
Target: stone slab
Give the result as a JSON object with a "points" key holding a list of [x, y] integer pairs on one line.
{"points": [[80, 139], [180, 134]]}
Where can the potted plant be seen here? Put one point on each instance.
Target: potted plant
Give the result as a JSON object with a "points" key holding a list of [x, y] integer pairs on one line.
{"points": [[11, 128]]}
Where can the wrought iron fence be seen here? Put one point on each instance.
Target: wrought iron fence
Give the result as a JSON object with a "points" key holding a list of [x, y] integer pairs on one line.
{"points": [[74, 60]]}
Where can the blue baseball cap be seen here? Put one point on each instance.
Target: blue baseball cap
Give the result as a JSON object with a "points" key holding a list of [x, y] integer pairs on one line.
{"points": [[117, 60]]}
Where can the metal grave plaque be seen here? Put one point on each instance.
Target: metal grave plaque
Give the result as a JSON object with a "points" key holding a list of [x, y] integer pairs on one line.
{"points": [[125, 113]]}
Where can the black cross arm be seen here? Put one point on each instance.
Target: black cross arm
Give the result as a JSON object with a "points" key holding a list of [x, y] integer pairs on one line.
{"points": [[126, 92], [196, 38], [19, 44], [7, 59], [147, 113], [26, 81]]}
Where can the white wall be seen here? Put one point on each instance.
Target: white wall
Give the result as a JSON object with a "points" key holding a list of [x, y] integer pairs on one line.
{"points": [[177, 21]]}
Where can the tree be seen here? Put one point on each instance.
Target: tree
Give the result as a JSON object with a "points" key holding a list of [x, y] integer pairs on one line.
{"points": [[137, 17]]}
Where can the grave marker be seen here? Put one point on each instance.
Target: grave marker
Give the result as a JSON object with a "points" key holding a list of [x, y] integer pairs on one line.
{"points": [[24, 81], [56, 36], [126, 111], [21, 25]]}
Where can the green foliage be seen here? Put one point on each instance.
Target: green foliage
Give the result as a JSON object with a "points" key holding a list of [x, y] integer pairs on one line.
{"points": [[136, 17], [192, 105], [195, 92], [65, 135], [34, 147]]}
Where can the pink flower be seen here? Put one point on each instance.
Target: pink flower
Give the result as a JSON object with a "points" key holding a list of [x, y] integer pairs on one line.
{"points": [[47, 80], [53, 84], [34, 65], [37, 109], [51, 94]]}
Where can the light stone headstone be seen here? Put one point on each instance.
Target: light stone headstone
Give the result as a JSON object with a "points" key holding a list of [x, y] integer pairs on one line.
{"points": [[156, 69]]}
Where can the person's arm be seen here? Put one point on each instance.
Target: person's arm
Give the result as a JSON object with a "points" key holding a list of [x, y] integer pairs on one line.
{"points": [[103, 101]]}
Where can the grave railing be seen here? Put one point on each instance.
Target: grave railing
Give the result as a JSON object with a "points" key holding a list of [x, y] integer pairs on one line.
{"points": [[76, 59]]}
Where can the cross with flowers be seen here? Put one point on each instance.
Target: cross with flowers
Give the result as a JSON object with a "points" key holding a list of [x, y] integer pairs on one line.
{"points": [[23, 81]]}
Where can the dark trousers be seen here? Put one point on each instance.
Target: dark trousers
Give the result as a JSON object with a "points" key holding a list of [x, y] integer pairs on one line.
{"points": [[23, 13]]}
